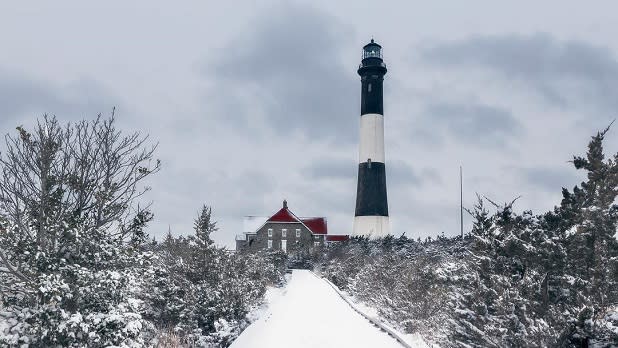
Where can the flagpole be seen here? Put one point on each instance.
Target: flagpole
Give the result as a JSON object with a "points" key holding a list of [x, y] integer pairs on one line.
{"points": [[461, 200]]}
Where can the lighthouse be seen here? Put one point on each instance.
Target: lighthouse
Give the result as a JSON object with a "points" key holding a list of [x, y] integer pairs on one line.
{"points": [[371, 217]]}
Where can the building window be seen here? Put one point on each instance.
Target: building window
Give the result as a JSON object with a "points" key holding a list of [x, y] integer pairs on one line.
{"points": [[270, 232], [270, 244], [317, 244], [298, 233], [369, 88], [284, 233]]}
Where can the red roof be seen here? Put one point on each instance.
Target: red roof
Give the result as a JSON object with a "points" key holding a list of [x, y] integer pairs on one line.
{"points": [[339, 238], [317, 225], [283, 215]]}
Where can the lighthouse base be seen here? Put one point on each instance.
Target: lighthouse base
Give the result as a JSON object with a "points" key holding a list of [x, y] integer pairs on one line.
{"points": [[371, 226]]}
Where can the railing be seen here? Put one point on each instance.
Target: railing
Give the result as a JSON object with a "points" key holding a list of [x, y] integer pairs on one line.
{"points": [[381, 64], [387, 329], [372, 54]]}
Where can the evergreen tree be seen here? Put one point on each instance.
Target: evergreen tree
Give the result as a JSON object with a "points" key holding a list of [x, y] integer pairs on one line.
{"points": [[204, 226], [592, 245]]}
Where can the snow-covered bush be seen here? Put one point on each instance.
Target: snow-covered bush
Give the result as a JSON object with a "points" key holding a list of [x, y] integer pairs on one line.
{"points": [[90, 301], [203, 293], [404, 280], [515, 280]]}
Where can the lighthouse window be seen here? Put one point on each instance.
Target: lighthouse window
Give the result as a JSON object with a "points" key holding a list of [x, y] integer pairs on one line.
{"points": [[372, 52], [369, 88]]}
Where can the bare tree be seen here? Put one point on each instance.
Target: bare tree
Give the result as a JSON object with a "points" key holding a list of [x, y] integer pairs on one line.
{"points": [[83, 176]]}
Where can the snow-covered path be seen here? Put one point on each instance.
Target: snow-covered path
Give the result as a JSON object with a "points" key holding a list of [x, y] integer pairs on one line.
{"points": [[310, 314]]}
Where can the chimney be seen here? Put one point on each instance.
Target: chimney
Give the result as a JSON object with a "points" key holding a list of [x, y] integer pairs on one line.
{"points": [[285, 204]]}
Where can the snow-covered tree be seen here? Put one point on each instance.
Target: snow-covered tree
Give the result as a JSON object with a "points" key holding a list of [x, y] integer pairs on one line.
{"points": [[71, 233], [590, 214], [204, 226]]}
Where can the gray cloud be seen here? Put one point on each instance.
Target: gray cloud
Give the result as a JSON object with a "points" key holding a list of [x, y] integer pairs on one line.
{"points": [[331, 169], [550, 179], [473, 123], [565, 73], [401, 174], [288, 69], [19, 95], [23, 97]]}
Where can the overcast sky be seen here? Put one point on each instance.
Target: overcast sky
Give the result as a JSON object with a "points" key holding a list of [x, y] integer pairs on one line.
{"points": [[252, 104]]}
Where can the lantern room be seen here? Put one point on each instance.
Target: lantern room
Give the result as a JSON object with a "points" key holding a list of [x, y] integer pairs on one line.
{"points": [[372, 50]]}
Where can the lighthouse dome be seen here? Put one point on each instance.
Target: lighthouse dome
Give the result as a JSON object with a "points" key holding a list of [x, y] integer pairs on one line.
{"points": [[372, 63]]}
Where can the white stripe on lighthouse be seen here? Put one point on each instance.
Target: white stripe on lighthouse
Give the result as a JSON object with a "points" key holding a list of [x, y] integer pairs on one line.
{"points": [[371, 138], [371, 226]]}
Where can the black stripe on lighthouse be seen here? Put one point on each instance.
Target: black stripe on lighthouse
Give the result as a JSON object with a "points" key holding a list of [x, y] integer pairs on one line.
{"points": [[371, 95], [371, 190]]}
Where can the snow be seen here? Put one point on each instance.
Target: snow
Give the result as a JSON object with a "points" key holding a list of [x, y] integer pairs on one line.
{"points": [[309, 313], [4, 325], [252, 223], [571, 231], [271, 295], [7, 323]]}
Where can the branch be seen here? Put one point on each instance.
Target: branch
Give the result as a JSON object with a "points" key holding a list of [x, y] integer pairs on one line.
{"points": [[12, 270]]}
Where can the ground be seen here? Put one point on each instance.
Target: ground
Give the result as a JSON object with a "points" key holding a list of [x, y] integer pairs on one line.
{"points": [[309, 313]]}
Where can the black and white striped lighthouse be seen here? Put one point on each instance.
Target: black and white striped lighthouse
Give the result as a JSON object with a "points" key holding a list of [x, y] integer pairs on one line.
{"points": [[371, 217]]}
